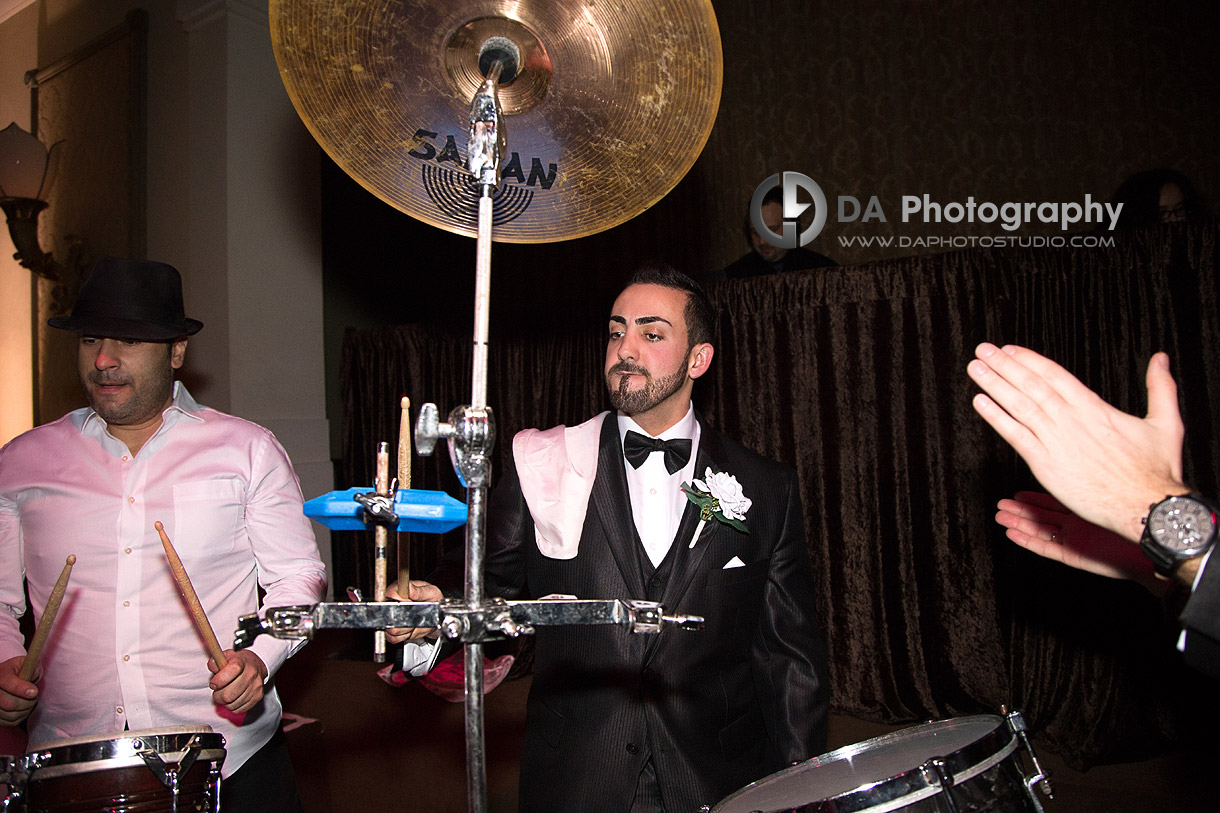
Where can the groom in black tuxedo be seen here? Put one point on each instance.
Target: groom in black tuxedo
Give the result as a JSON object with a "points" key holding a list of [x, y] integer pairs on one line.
{"points": [[619, 722]]}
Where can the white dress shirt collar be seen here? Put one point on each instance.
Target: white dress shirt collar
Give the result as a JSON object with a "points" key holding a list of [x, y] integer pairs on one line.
{"points": [[183, 405], [687, 427], [657, 501]]}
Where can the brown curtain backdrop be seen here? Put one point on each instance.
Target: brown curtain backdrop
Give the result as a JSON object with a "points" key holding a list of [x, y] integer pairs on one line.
{"points": [[855, 376], [1000, 101]]}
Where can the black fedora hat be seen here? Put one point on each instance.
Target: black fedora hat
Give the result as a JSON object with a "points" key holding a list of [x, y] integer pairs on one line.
{"points": [[130, 299]]}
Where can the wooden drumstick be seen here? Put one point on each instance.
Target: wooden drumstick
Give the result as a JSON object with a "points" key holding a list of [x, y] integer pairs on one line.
{"points": [[48, 619], [404, 481], [381, 535], [192, 600]]}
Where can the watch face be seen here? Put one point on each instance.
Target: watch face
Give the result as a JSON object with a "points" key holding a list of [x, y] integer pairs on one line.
{"points": [[1182, 526]]}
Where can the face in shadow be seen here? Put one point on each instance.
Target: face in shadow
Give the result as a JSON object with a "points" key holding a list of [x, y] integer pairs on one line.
{"points": [[1172, 203]]}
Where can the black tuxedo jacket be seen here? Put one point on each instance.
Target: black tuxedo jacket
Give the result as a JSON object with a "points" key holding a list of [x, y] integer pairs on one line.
{"points": [[751, 264], [1201, 618], [715, 709]]}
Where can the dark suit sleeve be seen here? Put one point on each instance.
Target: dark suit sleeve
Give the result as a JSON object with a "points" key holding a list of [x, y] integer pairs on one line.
{"points": [[790, 653], [1201, 619], [508, 528]]}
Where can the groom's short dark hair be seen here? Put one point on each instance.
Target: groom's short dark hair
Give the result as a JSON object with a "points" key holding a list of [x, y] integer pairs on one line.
{"points": [[699, 315]]}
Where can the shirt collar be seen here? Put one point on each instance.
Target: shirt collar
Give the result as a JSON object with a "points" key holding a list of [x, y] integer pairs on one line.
{"points": [[182, 406], [687, 427]]}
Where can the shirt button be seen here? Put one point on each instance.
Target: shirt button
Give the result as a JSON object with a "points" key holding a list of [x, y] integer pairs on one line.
{"points": [[118, 710], [126, 603], [126, 658], [131, 499], [124, 458], [652, 491], [126, 550]]}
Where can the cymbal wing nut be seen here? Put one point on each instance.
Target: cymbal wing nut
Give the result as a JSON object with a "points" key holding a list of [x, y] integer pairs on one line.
{"points": [[429, 429]]}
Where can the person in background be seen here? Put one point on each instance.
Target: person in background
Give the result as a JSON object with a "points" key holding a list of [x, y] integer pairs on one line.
{"points": [[1157, 196], [766, 258], [124, 653]]}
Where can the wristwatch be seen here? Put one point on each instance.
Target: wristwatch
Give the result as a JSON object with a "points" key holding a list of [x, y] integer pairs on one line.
{"points": [[1177, 529]]}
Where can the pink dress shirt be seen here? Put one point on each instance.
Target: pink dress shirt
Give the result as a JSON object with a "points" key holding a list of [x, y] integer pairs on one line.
{"points": [[124, 652]]}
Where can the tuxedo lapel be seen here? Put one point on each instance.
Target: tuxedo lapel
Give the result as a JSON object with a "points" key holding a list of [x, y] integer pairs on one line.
{"points": [[688, 558], [612, 505]]}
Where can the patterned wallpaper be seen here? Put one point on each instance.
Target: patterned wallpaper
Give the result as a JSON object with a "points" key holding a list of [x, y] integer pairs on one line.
{"points": [[1000, 101]]}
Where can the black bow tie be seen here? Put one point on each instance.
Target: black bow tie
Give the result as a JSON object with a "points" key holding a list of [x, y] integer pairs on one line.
{"points": [[637, 447]]}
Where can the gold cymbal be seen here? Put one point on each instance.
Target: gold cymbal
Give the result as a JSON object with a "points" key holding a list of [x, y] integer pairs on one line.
{"points": [[614, 102]]}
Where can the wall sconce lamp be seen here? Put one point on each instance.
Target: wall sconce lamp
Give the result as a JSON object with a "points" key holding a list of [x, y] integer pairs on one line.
{"points": [[27, 170]]}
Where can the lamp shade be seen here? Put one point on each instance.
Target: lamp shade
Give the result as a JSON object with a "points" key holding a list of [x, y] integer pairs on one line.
{"points": [[26, 167]]}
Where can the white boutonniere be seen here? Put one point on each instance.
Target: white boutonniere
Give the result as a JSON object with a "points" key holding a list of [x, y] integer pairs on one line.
{"points": [[718, 495]]}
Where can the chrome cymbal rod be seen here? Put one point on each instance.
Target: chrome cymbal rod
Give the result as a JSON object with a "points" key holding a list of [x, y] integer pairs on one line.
{"points": [[485, 147]]}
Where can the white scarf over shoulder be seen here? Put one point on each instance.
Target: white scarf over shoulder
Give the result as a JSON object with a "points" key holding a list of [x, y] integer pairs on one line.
{"points": [[557, 467]]}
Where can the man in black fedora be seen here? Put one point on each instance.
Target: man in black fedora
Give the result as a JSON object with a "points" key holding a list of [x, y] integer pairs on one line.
{"points": [[124, 653]]}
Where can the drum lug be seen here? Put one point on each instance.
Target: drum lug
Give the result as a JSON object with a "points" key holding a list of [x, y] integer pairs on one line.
{"points": [[935, 768], [1039, 778], [15, 774], [35, 761], [170, 772], [14, 788]]}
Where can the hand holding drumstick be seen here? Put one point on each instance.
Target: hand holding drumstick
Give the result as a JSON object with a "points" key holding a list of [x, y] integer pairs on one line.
{"points": [[17, 696], [237, 677], [47, 620]]}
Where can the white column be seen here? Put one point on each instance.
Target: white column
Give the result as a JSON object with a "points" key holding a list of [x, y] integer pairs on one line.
{"points": [[255, 269]]}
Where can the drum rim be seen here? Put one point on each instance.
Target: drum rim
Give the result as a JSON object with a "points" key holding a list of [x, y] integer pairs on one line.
{"points": [[209, 762], [982, 753], [82, 739], [120, 751]]}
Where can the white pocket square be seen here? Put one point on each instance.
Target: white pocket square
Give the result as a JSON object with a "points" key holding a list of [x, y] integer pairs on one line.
{"points": [[734, 562]]}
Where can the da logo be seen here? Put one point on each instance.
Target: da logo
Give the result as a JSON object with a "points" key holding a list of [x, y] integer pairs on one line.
{"points": [[790, 182]]}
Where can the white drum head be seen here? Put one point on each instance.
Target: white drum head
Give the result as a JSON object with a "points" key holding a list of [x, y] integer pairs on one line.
{"points": [[863, 767]]}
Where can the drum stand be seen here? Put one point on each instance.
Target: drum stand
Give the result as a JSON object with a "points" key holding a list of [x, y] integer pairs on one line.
{"points": [[471, 434]]}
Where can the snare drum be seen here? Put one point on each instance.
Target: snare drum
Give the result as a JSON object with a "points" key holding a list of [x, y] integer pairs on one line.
{"points": [[965, 764], [156, 770]]}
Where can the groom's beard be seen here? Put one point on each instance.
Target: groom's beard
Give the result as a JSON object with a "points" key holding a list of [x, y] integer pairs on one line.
{"points": [[634, 401]]}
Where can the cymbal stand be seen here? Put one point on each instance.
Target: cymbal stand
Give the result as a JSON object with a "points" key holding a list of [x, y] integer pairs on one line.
{"points": [[470, 448], [470, 431]]}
